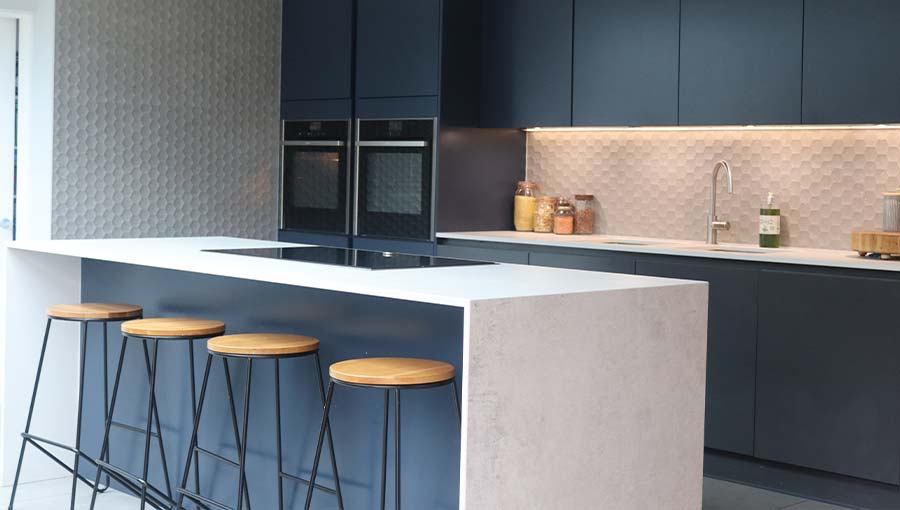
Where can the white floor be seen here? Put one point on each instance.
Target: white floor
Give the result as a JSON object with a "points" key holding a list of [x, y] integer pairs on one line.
{"points": [[54, 495]]}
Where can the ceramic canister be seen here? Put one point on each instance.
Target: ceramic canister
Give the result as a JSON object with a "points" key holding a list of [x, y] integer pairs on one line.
{"points": [[892, 211]]}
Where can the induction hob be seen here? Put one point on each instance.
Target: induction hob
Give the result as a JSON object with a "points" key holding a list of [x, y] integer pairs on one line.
{"points": [[363, 259]]}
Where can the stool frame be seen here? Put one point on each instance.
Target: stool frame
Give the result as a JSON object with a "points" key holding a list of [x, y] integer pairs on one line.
{"points": [[35, 440], [140, 485], [388, 389], [242, 447]]}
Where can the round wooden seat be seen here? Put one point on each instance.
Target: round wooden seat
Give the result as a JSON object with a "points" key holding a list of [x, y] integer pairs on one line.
{"points": [[95, 311], [173, 327], [262, 344], [392, 371]]}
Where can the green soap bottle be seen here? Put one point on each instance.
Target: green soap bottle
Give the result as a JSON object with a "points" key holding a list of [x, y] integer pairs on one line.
{"points": [[770, 224]]}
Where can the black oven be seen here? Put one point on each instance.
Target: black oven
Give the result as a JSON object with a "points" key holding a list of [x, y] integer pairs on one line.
{"points": [[394, 179], [315, 181]]}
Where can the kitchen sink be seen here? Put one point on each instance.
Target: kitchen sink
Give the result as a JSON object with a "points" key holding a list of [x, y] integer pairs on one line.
{"points": [[726, 249], [632, 243]]}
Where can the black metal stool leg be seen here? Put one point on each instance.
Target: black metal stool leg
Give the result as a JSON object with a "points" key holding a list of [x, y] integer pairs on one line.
{"points": [[161, 444], [79, 415], [456, 399], [397, 448], [149, 429], [105, 458], [334, 468], [190, 346], [312, 478], [112, 406], [193, 443], [37, 381], [384, 446], [278, 434], [242, 470], [234, 423]]}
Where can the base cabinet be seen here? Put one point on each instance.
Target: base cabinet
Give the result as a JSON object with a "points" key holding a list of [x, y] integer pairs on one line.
{"points": [[829, 374], [731, 349]]}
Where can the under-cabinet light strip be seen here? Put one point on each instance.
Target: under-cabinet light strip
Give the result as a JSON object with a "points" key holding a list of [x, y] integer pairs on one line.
{"points": [[824, 127]]}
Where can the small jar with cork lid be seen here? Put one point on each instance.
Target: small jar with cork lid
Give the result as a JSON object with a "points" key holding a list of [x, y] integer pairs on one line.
{"points": [[584, 214], [564, 220]]}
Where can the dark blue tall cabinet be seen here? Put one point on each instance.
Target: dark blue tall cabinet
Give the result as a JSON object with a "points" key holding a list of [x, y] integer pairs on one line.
{"points": [[625, 58], [851, 65], [740, 62]]}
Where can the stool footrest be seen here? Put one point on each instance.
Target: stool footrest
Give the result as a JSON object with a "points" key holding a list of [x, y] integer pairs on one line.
{"points": [[135, 483], [132, 428], [35, 441], [304, 481], [217, 457], [204, 501]]}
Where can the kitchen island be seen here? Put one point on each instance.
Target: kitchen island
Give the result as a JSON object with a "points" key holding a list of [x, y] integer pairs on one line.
{"points": [[579, 389]]}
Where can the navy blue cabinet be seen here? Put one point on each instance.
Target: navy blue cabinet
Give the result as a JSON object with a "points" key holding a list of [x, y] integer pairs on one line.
{"points": [[608, 262], [741, 62], [526, 63], [317, 58], [850, 65], [625, 63], [829, 373], [398, 48], [731, 348]]}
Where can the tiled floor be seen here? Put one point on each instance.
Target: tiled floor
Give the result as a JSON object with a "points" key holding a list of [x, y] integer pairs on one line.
{"points": [[717, 495]]}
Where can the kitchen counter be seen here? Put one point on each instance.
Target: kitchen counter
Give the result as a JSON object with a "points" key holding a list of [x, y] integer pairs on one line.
{"points": [[787, 255], [575, 386]]}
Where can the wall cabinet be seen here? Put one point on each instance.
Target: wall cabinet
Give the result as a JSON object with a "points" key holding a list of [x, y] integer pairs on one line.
{"points": [[731, 349], [398, 48], [526, 63], [741, 62], [850, 71], [625, 63], [829, 373]]}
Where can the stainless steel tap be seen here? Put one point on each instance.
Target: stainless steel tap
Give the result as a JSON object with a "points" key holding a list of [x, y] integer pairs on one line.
{"points": [[713, 225]]}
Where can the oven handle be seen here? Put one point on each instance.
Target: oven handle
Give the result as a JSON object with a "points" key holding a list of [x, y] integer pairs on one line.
{"points": [[392, 143], [314, 143]]}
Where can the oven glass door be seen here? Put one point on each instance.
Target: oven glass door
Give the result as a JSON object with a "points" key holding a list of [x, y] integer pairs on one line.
{"points": [[394, 190], [315, 188]]}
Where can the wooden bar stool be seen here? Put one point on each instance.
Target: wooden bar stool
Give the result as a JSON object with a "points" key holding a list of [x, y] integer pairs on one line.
{"points": [[252, 348], [152, 331], [84, 313], [391, 375]]}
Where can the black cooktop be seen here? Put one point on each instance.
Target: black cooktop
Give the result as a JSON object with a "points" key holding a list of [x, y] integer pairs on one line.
{"points": [[374, 260]]}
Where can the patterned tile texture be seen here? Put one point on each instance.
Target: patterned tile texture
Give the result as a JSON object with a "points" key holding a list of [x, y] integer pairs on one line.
{"points": [[166, 118], [656, 183]]}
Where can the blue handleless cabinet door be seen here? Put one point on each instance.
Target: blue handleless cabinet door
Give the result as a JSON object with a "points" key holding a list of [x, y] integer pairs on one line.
{"points": [[625, 63], [317, 50], [398, 48], [851, 62], [527, 63], [741, 62]]}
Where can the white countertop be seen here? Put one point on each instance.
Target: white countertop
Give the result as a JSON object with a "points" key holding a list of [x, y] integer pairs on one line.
{"points": [[787, 255], [455, 286]]}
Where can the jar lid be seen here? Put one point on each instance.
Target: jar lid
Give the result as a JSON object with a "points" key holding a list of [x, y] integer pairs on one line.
{"points": [[564, 207], [527, 184], [584, 197]]}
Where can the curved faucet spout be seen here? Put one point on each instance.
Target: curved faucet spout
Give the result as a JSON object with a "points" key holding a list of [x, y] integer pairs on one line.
{"points": [[713, 225]]}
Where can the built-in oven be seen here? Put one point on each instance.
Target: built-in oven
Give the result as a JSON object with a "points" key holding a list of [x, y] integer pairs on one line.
{"points": [[394, 179], [315, 180]]}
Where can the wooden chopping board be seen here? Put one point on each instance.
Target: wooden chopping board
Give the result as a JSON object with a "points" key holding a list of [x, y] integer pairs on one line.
{"points": [[886, 244]]}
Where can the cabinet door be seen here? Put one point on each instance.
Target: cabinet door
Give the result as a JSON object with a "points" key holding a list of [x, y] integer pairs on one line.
{"points": [[731, 349], [398, 48], [482, 251], [527, 63], [625, 63], [741, 62], [829, 374], [606, 262], [850, 62], [317, 50]]}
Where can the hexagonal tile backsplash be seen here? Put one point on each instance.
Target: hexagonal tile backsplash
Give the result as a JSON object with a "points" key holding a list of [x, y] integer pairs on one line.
{"points": [[166, 118], [656, 183]]}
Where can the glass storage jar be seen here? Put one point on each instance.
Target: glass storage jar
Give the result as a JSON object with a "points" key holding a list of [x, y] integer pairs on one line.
{"points": [[523, 213], [564, 220], [543, 214], [584, 214]]}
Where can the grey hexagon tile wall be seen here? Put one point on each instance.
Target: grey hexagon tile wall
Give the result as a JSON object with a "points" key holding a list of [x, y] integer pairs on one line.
{"points": [[166, 118], [656, 183]]}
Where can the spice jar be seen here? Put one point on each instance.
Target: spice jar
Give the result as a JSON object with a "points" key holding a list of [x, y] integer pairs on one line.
{"points": [[544, 213], [564, 220], [584, 214], [523, 214]]}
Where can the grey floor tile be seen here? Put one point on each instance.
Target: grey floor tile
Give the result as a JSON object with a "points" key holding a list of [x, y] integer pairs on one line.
{"points": [[719, 495]]}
